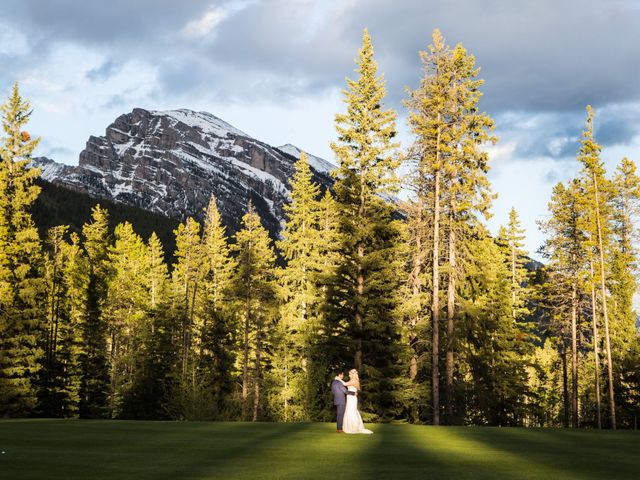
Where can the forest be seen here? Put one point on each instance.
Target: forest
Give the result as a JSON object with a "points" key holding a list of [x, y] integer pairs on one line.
{"points": [[446, 323]]}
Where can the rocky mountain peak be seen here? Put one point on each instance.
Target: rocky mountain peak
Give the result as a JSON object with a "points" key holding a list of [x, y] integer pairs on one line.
{"points": [[171, 162]]}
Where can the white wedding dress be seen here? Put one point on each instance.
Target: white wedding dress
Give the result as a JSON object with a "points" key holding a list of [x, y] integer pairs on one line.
{"points": [[352, 421]]}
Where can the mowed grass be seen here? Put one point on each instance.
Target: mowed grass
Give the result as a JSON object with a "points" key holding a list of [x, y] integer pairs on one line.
{"points": [[82, 449]]}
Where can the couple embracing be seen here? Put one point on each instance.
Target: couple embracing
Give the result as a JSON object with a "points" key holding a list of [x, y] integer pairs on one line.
{"points": [[345, 398]]}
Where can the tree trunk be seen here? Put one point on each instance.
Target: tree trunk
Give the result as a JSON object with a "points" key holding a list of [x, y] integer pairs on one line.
{"points": [[416, 285], [596, 347], [114, 367], [245, 357], [451, 298], [513, 280], [285, 380], [605, 313], [189, 328], [565, 386], [360, 291], [256, 384], [435, 305], [574, 357], [360, 288]]}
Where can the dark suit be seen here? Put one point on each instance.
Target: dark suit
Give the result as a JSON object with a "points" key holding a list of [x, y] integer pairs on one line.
{"points": [[339, 399]]}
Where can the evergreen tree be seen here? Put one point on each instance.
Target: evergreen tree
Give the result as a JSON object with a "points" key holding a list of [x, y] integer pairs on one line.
{"points": [[428, 107], [545, 385], [217, 352], [49, 395], [21, 283], [186, 285], [66, 285], [596, 187], [623, 280], [496, 348], [75, 274], [255, 295], [94, 386], [567, 258], [319, 362], [300, 290], [468, 191], [415, 305], [125, 313], [362, 314], [150, 393], [450, 183], [511, 239]]}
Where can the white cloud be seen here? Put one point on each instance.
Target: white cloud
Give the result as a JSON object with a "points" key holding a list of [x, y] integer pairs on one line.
{"points": [[501, 152], [13, 42], [204, 26]]}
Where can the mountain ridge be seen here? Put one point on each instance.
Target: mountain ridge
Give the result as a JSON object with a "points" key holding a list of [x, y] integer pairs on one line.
{"points": [[172, 162]]}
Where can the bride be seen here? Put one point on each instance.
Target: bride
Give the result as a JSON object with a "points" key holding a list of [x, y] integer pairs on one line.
{"points": [[352, 422]]}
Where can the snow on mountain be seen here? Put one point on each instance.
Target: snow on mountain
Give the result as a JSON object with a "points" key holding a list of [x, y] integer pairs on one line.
{"points": [[172, 162], [49, 170], [317, 163], [206, 122]]}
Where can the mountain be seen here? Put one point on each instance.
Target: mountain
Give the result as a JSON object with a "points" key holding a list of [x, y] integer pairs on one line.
{"points": [[317, 163], [171, 162], [60, 206]]}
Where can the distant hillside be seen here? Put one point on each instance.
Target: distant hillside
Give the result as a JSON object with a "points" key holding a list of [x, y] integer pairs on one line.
{"points": [[60, 206]]}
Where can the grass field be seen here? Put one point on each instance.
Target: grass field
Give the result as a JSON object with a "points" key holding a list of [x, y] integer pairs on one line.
{"points": [[72, 449]]}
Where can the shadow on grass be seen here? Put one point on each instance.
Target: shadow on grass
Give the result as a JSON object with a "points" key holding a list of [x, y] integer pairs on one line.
{"points": [[235, 451], [580, 454], [488, 453]]}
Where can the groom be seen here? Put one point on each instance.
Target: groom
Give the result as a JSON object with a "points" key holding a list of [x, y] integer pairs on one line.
{"points": [[339, 397], [340, 393]]}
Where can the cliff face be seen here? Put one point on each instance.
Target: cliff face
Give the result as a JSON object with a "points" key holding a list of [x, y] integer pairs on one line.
{"points": [[172, 162]]}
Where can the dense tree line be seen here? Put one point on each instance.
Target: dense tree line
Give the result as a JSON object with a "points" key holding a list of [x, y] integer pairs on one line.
{"points": [[445, 323]]}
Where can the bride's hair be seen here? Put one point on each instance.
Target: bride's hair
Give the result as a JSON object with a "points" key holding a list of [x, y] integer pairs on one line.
{"points": [[353, 377]]}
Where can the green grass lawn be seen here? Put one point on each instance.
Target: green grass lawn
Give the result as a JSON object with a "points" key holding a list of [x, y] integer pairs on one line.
{"points": [[73, 449]]}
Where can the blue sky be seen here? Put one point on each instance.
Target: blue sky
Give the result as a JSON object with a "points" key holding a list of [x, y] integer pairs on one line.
{"points": [[275, 68]]}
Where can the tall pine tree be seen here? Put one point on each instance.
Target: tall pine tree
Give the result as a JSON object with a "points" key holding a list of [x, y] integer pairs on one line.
{"points": [[449, 178], [254, 291], [21, 283], [217, 345], [362, 314], [300, 290], [596, 187], [94, 386]]}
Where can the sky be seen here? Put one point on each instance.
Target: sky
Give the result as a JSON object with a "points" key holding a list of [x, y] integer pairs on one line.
{"points": [[276, 69]]}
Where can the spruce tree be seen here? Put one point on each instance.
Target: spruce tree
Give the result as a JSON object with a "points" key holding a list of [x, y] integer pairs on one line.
{"points": [[496, 349], [76, 283], [300, 289], [319, 362], [596, 187], [125, 313], [511, 238], [565, 249], [449, 178], [468, 191], [217, 352], [21, 283], [429, 107], [66, 278], [186, 285], [254, 291], [49, 395], [153, 386], [362, 314], [623, 279], [94, 385]]}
